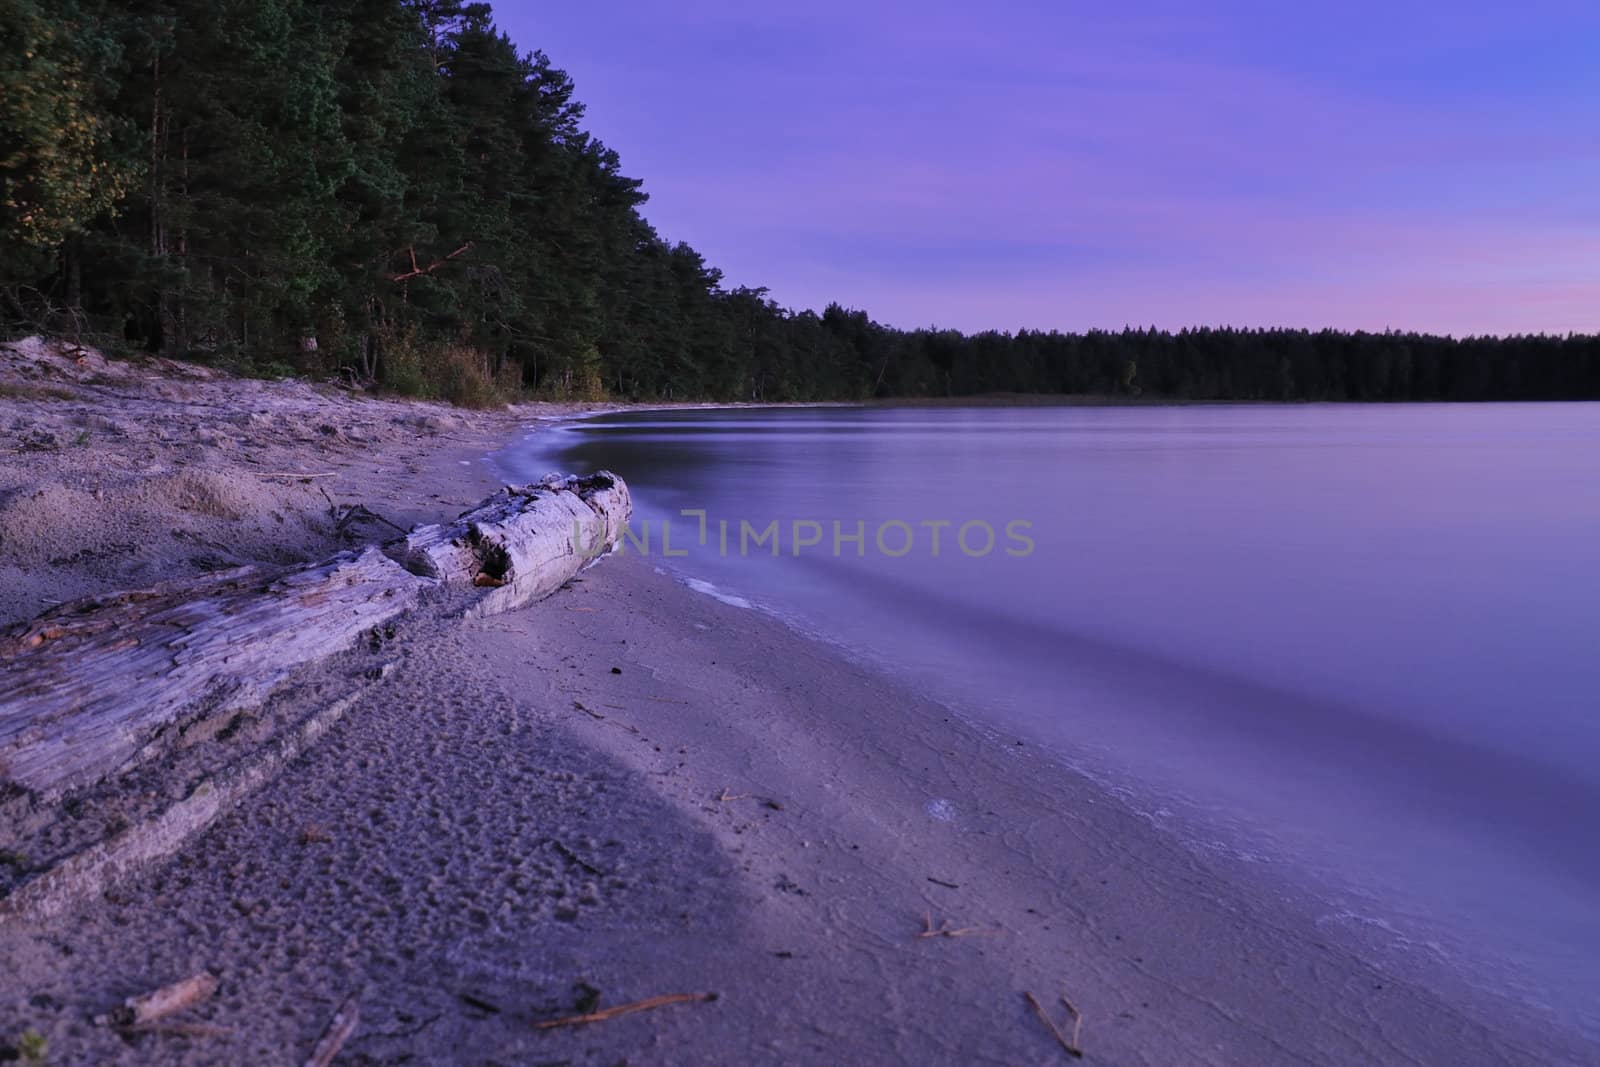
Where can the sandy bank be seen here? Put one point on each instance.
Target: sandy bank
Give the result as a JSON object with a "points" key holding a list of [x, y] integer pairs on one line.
{"points": [[116, 475]]}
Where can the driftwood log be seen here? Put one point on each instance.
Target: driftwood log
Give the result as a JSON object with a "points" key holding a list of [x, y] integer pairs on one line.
{"points": [[522, 543], [88, 687]]}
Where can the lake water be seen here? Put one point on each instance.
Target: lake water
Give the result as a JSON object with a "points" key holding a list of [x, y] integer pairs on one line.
{"points": [[1358, 645]]}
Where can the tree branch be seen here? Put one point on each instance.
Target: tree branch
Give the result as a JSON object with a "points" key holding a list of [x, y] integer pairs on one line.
{"points": [[419, 271]]}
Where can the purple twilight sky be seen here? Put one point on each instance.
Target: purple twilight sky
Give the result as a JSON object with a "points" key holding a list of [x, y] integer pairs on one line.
{"points": [[1422, 165]]}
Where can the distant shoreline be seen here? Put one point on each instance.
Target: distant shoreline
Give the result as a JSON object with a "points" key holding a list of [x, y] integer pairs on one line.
{"points": [[1051, 400], [1099, 400]]}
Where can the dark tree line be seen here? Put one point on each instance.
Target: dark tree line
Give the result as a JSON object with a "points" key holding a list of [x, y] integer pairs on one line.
{"points": [[386, 188]]}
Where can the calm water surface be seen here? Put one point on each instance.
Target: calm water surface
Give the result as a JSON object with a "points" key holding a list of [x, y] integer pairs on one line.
{"points": [[1357, 645]]}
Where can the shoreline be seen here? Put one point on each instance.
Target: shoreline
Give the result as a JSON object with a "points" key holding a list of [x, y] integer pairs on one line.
{"points": [[1326, 906], [123, 474], [985, 800], [1323, 914]]}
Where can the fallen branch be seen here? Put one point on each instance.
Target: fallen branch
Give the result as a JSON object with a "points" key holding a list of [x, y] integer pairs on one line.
{"points": [[296, 474], [1071, 1045], [340, 1027], [625, 1009], [350, 514], [726, 796]]}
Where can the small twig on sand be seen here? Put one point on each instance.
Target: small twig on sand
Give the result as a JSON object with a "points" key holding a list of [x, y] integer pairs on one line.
{"points": [[941, 881], [624, 1009], [587, 710], [486, 1006], [944, 929], [139, 1012], [1071, 1045], [571, 856], [340, 1027], [295, 474], [348, 515], [725, 796]]}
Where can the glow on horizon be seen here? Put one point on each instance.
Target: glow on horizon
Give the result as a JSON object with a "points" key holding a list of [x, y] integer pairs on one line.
{"points": [[1404, 165]]}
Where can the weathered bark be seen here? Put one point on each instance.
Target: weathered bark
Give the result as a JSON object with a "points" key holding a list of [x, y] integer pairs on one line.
{"points": [[522, 543], [85, 687], [96, 687]]}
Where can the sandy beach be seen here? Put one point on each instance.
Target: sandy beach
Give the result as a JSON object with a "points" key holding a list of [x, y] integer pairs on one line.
{"points": [[799, 535], [118, 474], [628, 791]]}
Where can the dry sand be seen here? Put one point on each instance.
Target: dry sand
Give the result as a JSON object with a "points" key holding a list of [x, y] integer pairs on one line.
{"points": [[118, 474], [631, 790]]}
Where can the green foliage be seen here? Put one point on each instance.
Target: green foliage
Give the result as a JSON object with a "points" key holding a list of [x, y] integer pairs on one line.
{"points": [[413, 365], [33, 1047], [464, 378], [59, 159], [273, 371], [403, 368], [388, 188]]}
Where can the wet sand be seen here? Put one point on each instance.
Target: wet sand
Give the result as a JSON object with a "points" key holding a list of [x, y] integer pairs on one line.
{"points": [[636, 790]]}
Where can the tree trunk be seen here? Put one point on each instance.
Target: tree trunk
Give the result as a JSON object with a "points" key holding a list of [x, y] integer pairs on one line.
{"points": [[73, 256], [158, 234]]}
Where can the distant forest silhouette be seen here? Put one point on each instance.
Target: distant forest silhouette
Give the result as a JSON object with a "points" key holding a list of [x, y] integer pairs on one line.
{"points": [[386, 189]]}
